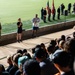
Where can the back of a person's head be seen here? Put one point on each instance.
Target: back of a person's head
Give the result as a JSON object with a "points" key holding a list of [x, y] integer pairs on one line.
{"points": [[63, 37], [61, 44], [19, 51], [70, 46], [50, 48], [63, 59], [40, 53], [24, 51], [2, 69], [9, 59], [31, 67], [42, 45], [27, 54], [38, 46], [53, 42], [68, 38], [33, 50], [16, 57]]}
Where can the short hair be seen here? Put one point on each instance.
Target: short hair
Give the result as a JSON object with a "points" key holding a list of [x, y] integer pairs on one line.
{"points": [[2, 69], [19, 51], [63, 59], [40, 53], [16, 57], [53, 42], [42, 45], [9, 58], [24, 51], [36, 15], [70, 46], [63, 37], [31, 67], [27, 54], [19, 18], [61, 43], [50, 48]]}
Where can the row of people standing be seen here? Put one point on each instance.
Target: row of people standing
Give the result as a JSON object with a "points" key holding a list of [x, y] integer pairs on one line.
{"points": [[60, 11], [62, 7], [45, 12]]}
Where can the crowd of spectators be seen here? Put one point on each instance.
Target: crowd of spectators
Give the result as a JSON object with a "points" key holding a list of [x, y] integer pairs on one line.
{"points": [[58, 58]]}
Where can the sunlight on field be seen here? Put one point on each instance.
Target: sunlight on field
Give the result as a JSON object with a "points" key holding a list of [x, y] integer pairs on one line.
{"points": [[10, 10]]}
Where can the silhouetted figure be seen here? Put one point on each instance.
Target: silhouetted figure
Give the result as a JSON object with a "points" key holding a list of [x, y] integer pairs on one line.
{"points": [[74, 8], [19, 30], [58, 13], [62, 7], [53, 17], [42, 13], [69, 7], [49, 13]]}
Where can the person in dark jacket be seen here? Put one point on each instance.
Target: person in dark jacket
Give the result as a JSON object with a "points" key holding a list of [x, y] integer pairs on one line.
{"points": [[62, 7], [44, 15], [69, 7], [19, 30], [54, 13], [58, 13], [63, 63], [49, 13]]}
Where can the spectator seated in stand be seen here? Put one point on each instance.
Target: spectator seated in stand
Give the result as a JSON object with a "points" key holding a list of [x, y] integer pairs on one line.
{"points": [[31, 67], [62, 61]]}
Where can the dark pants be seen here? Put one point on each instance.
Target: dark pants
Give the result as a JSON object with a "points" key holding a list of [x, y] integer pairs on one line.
{"points": [[49, 15], [62, 12], [58, 16], [44, 18], [54, 16]]}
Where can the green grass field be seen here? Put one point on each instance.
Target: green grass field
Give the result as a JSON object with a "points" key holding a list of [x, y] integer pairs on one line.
{"points": [[11, 10]]}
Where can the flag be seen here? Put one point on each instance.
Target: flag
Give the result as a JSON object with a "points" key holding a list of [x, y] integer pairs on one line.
{"points": [[47, 4], [53, 7]]}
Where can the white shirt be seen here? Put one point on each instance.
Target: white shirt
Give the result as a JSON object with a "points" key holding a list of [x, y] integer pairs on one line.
{"points": [[35, 22]]}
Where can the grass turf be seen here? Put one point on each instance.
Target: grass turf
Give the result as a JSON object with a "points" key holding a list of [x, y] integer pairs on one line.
{"points": [[11, 10]]}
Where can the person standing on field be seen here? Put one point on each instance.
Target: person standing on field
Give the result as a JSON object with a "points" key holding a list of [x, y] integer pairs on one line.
{"points": [[35, 23], [69, 8], [58, 13], [0, 29], [49, 13], [19, 30], [44, 15]]}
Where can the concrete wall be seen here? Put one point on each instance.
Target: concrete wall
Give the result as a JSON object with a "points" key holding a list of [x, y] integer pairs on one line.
{"points": [[10, 38]]}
